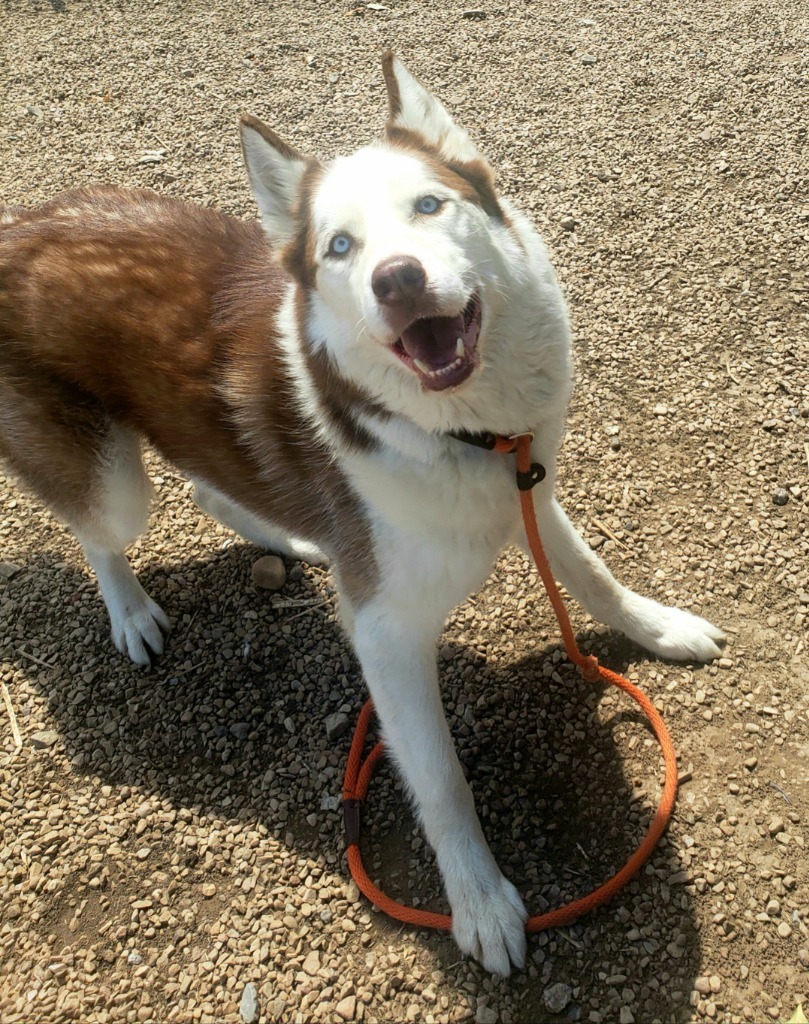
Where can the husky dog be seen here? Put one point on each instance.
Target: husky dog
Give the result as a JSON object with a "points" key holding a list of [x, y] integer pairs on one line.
{"points": [[310, 374]]}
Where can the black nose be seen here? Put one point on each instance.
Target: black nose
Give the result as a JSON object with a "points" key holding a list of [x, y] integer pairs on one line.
{"points": [[400, 279]]}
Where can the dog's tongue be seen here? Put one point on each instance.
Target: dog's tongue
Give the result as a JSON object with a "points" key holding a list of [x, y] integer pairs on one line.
{"points": [[434, 339]]}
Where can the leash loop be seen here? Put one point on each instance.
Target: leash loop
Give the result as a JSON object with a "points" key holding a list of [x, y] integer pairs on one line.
{"points": [[358, 771]]}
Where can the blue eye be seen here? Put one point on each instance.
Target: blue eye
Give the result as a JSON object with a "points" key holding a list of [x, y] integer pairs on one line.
{"points": [[340, 245], [428, 204]]}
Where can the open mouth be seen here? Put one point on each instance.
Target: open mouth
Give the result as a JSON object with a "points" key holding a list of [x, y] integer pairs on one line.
{"points": [[442, 350]]}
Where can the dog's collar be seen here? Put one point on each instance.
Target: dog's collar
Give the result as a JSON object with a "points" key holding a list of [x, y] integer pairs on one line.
{"points": [[506, 444]]}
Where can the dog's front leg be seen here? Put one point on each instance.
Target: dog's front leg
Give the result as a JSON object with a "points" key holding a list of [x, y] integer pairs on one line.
{"points": [[398, 657], [666, 631]]}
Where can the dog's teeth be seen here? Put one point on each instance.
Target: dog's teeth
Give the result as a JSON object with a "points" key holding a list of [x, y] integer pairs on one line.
{"points": [[423, 367], [459, 349]]}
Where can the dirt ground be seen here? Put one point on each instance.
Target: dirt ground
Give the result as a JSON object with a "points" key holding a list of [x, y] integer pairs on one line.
{"points": [[169, 836]]}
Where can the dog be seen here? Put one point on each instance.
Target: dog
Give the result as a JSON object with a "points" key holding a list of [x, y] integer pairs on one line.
{"points": [[317, 376]]}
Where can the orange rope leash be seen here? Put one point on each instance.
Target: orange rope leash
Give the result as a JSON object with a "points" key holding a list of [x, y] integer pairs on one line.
{"points": [[359, 772]]}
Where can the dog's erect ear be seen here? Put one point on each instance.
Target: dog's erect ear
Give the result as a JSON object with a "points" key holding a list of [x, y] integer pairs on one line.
{"points": [[275, 170], [410, 106]]}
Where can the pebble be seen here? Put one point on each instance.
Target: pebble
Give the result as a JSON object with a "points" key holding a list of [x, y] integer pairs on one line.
{"points": [[780, 496], [486, 1015], [775, 826], [660, 409], [240, 730], [626, 1016], [269, 572], [568, 223], [588, 58], [556, 997], [311, 965], [9, 569], [346, 1008], [337, 725], [44, 738], [248, 1007]]}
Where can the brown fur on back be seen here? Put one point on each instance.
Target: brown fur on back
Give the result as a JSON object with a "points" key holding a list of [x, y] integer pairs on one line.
{"points": [[160, 316]]}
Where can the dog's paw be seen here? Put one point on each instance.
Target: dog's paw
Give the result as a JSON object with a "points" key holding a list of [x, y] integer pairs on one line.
{"points": [[674, 633], [488, 923], [138, 631]]}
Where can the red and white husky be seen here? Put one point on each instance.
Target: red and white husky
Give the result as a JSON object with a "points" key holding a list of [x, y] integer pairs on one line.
{"points": [[309, 378]]}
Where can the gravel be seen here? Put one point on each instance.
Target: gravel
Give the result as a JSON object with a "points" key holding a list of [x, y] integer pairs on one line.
{"points": [[164, 848]]}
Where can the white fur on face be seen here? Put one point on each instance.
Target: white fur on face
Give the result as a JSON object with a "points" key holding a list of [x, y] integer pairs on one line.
{"points": [[370, 196]]}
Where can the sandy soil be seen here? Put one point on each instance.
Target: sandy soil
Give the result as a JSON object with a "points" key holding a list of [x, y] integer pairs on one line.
{"points": [[168, 837]]}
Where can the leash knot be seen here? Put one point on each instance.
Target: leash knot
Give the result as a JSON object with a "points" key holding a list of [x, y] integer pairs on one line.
{"points": [[589, 668]]}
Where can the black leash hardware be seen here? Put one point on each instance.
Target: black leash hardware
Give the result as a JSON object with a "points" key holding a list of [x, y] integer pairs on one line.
{"points": [[536, 473], [484, 440]]}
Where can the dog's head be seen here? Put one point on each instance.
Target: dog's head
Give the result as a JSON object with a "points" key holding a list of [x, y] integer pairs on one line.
{"points": [[400, 248]]}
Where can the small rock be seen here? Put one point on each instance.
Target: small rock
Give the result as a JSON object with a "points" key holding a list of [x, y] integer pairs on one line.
{"points": [[703, 985], [336, 725], [446, 653], [241, 730], [208, 890], [346, 1008], [34, 110], [780, 496], [44, 738], [776, 825], [473, 15], [773, 908], [486, 1015], [311, 965], [556, 997], [329, 801], [248, 1007], [9, 569], [269, 572], [276, 1008], [134, 958], [568, 223], [660, 410], [784, 930], [588, 58], [626, 1016]]}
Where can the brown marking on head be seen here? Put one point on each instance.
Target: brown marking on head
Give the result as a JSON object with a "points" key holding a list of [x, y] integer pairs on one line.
{"points": [[287, 152], [392, 85], [299, 256], [472, 178]]}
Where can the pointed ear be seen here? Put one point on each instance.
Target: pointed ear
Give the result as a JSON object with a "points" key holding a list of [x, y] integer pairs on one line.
{"points": [[411, 107], [275, 170]]}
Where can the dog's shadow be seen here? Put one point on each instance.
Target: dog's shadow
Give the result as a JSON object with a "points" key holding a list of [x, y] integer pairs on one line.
{"points": [[230, 724]]}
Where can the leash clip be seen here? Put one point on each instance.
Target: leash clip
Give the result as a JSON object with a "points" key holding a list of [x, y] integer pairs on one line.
{"points": [[530, 477]]}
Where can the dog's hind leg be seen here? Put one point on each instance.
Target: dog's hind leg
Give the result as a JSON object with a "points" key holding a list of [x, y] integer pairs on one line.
{"points": [[88, 470], [119, 514], [258, 531]]}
